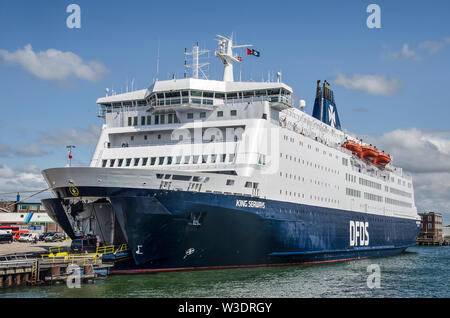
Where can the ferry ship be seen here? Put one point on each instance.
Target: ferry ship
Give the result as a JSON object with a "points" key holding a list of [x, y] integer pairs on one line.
{"points": [[195, 173]]}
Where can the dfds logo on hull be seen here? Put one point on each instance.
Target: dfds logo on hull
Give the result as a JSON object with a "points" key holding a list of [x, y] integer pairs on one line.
{"points": [[359, 233]]}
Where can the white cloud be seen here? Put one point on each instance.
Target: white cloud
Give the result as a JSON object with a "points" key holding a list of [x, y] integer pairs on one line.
{"points": [[22, 151], [371, 84], [405, 53], [71, 136], [418, 151], [30, 151], [425, 155], [54, 64], [435, 46], [21, 179]]}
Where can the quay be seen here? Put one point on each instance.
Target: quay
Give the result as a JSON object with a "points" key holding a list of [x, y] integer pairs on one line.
{"points": [[54, 267]]}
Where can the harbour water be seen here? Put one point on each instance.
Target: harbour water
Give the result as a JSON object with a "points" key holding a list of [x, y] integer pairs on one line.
{"points": [[418, 272]]}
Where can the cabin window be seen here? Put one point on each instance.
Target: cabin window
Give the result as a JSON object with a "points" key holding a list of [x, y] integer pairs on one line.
{"points": [[190, 115], [142, 120], [178, 160], [111, 162], [156, 119], [195, 160], [208, 94], [119, 164], [144, 161], [220, 113], [136, 161], [135, 121], [204, 158], [202, 115], [169, 160], [149, 120], [152, 161], [186, 159], [220, 95], [104, 163], [128, 162], [161, 161], [196, 93], [130, 121], [230, 182], [162, 119], [233, 112], [213, 158]]}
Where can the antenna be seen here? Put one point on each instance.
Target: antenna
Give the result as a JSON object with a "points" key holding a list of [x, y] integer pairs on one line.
{"points": [[196, 66], [225, 54], [157, 61]]}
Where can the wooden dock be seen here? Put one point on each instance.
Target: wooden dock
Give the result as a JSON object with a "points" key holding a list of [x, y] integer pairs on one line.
{"points": [[20, 270]]}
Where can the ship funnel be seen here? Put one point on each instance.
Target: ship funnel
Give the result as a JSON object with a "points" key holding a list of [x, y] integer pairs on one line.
{"points": [[324, 106]]}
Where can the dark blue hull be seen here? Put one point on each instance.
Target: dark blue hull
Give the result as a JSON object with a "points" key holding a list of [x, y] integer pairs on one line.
{"points": [[169, 230]]}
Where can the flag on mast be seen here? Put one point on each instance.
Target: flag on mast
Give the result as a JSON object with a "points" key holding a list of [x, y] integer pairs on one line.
{"points": [[253, 52], [70, 154]]}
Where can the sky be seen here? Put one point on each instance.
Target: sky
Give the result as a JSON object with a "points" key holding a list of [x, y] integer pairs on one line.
{"points": [[390, 83]]}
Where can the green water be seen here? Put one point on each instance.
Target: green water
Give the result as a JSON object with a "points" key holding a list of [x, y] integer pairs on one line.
{"points": [[418, 272]]}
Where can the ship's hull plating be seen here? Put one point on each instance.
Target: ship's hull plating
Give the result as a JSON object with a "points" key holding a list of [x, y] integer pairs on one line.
{"points": [[169, 230]]}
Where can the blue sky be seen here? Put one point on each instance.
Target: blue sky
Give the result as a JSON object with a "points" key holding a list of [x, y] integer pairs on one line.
{"points": [[306, 40]]}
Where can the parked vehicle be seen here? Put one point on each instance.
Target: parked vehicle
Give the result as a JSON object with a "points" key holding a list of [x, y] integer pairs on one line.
{"points": [[6, 237], [86, 244], [26, 237], [44, 235], [55, 237], [18, 234]]}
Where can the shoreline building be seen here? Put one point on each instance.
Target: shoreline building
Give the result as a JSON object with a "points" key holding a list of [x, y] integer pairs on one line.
{"points": [[431, 230], [27, 216]]}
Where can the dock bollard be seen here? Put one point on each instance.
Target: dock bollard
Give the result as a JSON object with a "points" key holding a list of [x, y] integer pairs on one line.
{"points": [[17, 280], [8, 281], [88, 270]]}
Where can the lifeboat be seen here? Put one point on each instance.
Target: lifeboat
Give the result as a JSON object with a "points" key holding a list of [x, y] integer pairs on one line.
{"points": [[369, 152], [353, 147], [382, 159]]}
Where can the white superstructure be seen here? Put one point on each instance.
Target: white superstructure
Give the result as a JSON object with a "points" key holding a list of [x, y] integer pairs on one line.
{"points": [[246, 138]]}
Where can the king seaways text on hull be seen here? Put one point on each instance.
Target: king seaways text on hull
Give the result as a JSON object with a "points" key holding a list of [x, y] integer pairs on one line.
{"points": [[184, 230]]}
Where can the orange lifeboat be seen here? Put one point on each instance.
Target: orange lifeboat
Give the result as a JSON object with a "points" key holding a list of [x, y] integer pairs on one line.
{"points": [[369, 152], [382, 159], [353, 147]]}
